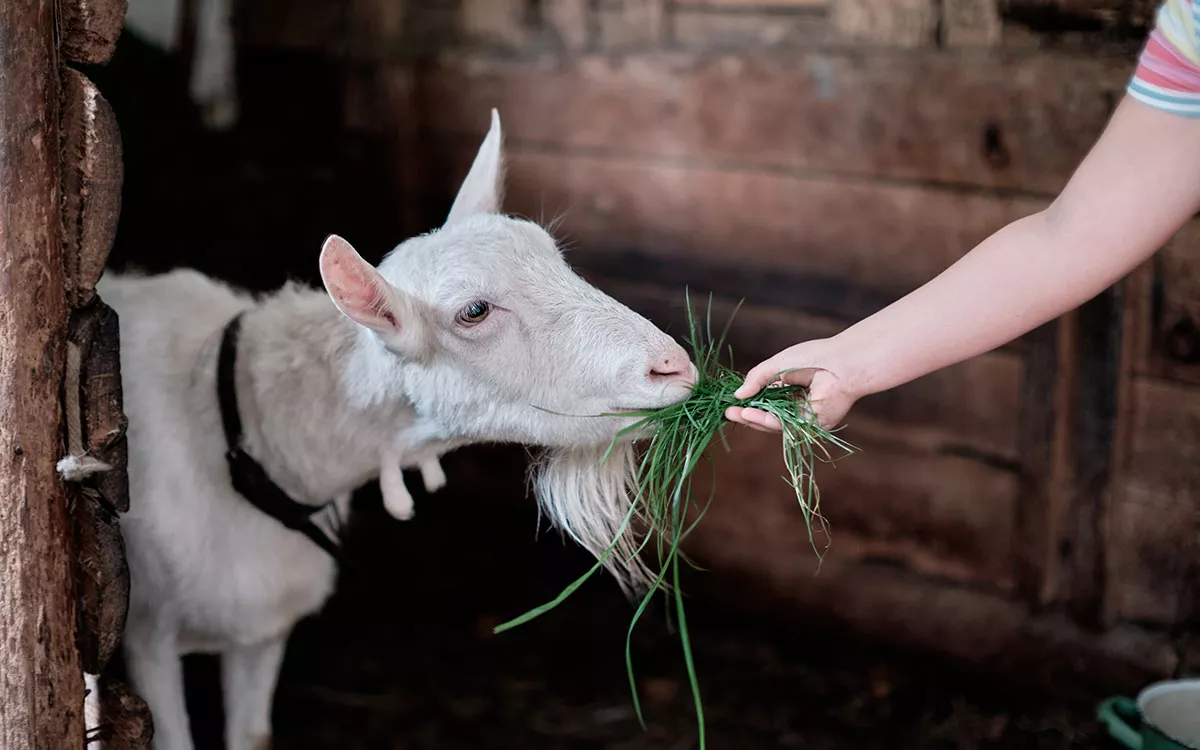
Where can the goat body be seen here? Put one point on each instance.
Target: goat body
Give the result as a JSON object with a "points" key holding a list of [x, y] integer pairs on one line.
{"points": [[478, 331]]}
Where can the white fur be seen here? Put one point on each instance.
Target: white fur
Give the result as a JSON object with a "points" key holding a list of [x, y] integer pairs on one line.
{"points": [[336, 394], [211, 81], [92, 711]]}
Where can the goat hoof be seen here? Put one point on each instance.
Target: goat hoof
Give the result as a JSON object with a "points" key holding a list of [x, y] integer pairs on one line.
{"points": [[219, 113], [403, 513]]}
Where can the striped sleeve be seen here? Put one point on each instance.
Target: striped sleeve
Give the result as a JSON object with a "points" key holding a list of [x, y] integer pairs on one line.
{"points": [[1168, 71], [1168, 75]]}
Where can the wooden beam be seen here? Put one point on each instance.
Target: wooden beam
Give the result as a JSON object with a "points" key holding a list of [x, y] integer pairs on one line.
{"points": [[93, 173], [1153, 530], [1009, 121], [41, 680], [1040, 418], [1093, 449]]}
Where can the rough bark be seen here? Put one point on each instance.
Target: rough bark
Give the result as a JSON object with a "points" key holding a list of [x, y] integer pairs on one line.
{"points": [[91, 29], [126, 723], [103, 570], [92, 177], [41, 682]]}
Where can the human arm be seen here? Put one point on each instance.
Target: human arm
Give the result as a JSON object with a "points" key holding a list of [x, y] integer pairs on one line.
{"points": [[1137, 186]]}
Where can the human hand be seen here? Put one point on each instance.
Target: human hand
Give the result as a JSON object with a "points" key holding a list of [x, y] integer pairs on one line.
{"points": [[813, 364]]}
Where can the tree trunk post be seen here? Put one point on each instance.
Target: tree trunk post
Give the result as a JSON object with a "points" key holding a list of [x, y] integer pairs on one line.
{"points": [[41, 679]]}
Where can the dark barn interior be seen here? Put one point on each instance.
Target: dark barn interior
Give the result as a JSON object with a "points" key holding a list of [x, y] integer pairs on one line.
{"points": [[1017, 540]]}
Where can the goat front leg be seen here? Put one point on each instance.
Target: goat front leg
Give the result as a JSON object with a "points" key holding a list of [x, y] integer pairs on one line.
{"points": [[396, 498], [432, 475], [156, 672], [248, 678]]}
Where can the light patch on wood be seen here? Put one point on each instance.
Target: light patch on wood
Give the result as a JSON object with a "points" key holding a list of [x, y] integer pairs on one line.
{"points": [[569, 19], [971, 23], [630, 24], [494, 21], [1153, 525], [903, 23]]}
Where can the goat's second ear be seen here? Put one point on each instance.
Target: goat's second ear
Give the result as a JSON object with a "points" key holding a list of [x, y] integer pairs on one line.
{"points": [[358, 289], [483, 189]]}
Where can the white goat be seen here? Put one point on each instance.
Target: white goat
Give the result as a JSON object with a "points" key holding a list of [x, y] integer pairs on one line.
{"points": [[478, 331], [212, 83]]}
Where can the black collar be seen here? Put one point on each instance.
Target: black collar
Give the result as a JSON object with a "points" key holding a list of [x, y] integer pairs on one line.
{"points": [[248, 476]]}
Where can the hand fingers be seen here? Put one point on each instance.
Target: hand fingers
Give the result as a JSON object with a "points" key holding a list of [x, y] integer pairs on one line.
{"points": [[767, 372], [757, 379], [759, 420]]}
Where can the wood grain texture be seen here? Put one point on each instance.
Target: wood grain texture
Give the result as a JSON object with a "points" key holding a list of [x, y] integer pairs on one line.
{"points": [[706, 32], [1041, 414], [624, 25], [127, 721], [1153, 534], [91, 29], [1012, 121], [103, 569], [103, 581], [943, 515], [1093, 449], [97, 330], [1173, 349], [41, 682], [93, 173], [971, 23], [902, 23]]}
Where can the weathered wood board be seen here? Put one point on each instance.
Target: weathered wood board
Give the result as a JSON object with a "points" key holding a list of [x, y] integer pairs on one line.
{"points": [[1153, 529], [91, 28], [943, 515], [103, 579], [93, 173], [1173, 344], [1012, 121]]}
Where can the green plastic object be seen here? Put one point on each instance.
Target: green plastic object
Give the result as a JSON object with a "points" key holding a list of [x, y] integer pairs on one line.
{"points": [[1165, 716]]}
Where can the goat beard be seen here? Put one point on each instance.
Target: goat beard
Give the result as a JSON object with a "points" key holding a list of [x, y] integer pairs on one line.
{"points": [[588, 497]]}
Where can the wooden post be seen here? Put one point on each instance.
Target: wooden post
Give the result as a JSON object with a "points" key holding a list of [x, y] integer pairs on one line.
{"points": [[41, 680]]}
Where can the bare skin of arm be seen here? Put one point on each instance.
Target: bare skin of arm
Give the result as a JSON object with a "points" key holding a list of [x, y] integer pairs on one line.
{"points": [[1139, 184]]}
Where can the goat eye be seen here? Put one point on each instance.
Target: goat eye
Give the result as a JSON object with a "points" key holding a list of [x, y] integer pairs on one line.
{"points": [[474, 312]]}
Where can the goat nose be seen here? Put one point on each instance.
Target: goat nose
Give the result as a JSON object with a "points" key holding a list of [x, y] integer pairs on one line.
{"points": [[673, 364]]}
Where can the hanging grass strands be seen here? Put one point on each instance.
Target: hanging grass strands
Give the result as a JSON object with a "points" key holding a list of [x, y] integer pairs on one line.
{"points": [[676, 439]]}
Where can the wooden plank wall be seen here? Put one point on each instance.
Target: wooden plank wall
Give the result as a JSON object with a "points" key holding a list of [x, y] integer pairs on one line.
{"points": [[820, 158]]}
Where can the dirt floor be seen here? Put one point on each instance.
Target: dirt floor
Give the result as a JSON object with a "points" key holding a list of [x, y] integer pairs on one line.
{"points": [[404, 657]]}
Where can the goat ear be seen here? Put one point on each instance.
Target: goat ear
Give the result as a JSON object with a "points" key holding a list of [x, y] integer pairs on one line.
{"points": [[483, 189], [358, 290]]}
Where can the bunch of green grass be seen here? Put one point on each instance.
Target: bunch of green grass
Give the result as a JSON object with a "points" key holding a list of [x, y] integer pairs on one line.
{"points": [[677, 438]]}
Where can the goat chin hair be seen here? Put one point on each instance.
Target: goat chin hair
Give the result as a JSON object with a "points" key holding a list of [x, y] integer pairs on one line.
{"points": [[589, 500]]}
